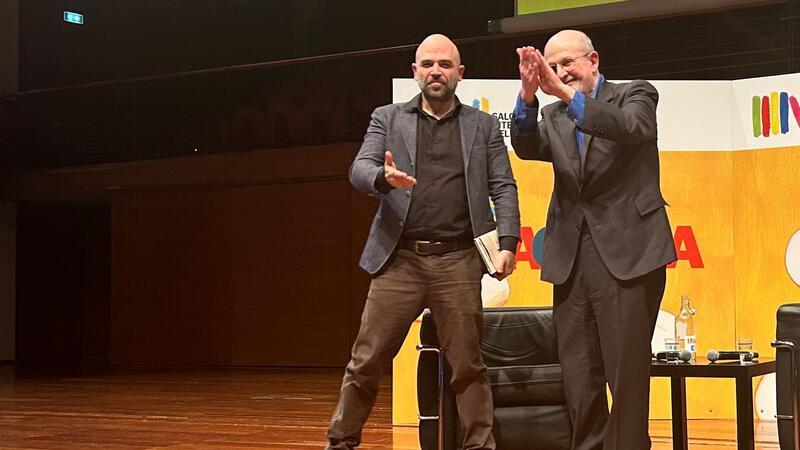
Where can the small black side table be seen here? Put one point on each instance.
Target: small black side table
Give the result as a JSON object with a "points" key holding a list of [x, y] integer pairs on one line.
{"points": [[702, 368]]}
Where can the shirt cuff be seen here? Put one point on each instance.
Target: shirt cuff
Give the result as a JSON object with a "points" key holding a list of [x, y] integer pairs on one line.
{"points": [[381, 185], [525, 116], [577, 108], [509, 243]]}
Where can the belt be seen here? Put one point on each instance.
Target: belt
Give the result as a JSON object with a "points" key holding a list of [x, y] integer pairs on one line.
{"points": [[435, 247]]}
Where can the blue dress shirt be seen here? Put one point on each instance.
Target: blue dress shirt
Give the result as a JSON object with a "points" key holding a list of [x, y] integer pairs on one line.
{"points": [[526, 116]]}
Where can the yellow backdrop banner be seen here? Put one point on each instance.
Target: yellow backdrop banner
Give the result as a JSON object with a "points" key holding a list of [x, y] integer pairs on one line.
{"points": [[730, 171]]}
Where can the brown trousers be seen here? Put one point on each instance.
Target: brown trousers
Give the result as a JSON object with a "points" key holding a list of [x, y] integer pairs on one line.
{"points": [[450, 286], [604, 327]]}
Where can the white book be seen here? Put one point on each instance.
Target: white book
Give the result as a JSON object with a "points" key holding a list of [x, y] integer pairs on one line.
{"points": [[488, 245]]}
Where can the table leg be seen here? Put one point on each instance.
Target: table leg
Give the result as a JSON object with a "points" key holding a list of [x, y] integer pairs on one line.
{"points": [[745, 437], [680, 437]]}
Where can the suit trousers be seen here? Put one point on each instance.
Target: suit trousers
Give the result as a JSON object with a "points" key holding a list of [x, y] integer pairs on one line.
{"points": [[604, 328], [448, 284]]}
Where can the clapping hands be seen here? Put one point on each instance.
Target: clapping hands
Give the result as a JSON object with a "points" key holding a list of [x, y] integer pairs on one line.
{"points": [[535, 74]]}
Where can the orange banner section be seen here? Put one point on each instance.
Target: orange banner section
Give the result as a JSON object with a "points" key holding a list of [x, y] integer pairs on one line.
{"points": [[732, 215]]}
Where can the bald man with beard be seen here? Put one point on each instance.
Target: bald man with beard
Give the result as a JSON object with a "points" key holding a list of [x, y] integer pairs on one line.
{"points": [[434, 163], [608, 238]]}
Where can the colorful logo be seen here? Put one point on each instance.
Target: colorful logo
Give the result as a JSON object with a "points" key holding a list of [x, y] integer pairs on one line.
{"points": [[771, 113], [481, 104]]}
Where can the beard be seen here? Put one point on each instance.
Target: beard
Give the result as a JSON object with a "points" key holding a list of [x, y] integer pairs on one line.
{"points": [[438, 92]]}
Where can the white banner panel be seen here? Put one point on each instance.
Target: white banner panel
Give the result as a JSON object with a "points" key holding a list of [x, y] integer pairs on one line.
{"points": [[692, 115]]}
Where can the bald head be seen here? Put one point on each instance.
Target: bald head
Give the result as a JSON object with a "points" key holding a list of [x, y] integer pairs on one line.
{"points": [[573, 57], [438, 44], [574, 39]]}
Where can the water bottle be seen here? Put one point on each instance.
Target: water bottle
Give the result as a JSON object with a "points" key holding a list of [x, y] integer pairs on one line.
{"points": [[684, 327]]}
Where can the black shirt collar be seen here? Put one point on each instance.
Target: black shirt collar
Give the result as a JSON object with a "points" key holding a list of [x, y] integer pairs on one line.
{"points": [[415, 105]]}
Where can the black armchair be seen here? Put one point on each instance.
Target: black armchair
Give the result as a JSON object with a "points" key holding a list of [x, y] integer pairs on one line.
{"points": [[787, 342], [519, 349]]}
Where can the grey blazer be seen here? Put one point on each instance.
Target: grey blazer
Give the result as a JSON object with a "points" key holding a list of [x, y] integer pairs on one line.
{"points": [[616, 189], [486, 166]]}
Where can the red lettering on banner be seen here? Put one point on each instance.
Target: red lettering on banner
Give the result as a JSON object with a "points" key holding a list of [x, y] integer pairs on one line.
{"points": [[686, 247], [526, 235]]}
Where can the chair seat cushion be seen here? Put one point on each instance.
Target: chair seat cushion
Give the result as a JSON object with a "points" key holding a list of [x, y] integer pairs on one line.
{"points": [[527, 385], [540, 428]]}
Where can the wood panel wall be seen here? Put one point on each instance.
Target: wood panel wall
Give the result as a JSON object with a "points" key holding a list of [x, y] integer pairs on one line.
{"points": [[62, 283], [237, 259]]}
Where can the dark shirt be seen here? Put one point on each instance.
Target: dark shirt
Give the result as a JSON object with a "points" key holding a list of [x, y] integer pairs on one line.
{"points": [[439, 209]]}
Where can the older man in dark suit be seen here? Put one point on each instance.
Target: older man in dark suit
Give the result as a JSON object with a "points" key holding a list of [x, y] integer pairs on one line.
{"points": [[434, 163], [608, 239]]}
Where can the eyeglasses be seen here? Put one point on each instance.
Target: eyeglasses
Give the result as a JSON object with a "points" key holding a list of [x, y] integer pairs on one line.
{"points": [[567, 62]]}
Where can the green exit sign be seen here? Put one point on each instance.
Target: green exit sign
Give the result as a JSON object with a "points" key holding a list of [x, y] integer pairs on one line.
{"points": [[73, 17]]}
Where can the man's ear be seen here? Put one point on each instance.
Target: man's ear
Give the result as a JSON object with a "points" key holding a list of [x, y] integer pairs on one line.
{"points": [[594, 57], [414, 69], [461, 72]]}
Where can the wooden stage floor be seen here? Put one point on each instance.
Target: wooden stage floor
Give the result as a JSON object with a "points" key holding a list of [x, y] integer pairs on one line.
{"points": [[238, 408]]}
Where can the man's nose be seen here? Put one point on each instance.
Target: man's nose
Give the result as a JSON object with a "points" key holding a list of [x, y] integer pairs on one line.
{"points": [[561, 72]]}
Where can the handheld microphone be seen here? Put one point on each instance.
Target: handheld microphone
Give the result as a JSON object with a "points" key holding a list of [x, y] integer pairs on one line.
{"points": [[714, 355], [683, 355]]}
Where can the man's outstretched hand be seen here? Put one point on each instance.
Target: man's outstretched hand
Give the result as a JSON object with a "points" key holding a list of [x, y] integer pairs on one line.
{"points": [[397, 178]]}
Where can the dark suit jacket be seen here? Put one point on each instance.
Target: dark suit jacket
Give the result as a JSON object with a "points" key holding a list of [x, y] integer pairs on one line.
{"points": [[618, 191], [486, 167]]}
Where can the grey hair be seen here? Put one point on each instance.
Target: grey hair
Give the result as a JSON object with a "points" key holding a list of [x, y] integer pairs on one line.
{"points": [[587, 42]]}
